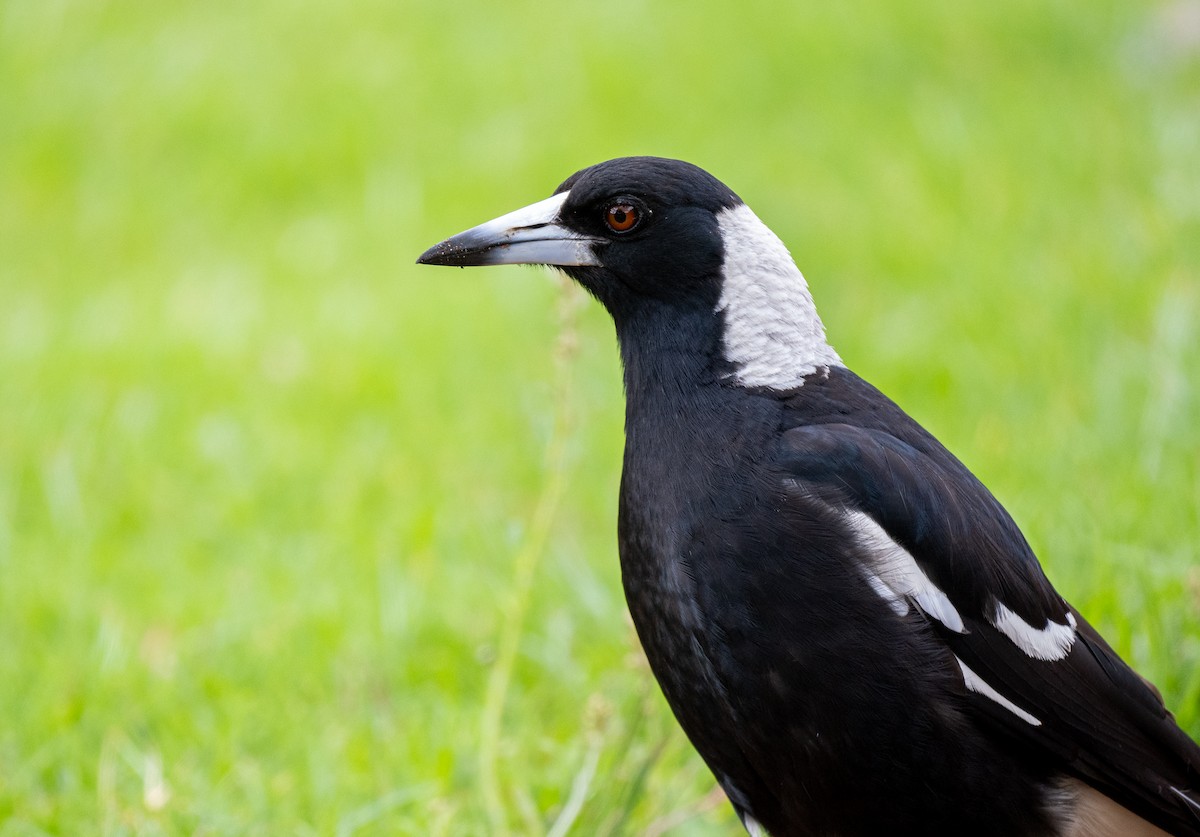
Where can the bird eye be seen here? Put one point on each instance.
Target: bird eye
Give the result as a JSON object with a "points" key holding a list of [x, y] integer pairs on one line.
{"points": [[621, 217]]}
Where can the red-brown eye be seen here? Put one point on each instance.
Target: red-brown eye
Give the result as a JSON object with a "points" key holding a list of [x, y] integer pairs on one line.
{"points": [[621, 217]]}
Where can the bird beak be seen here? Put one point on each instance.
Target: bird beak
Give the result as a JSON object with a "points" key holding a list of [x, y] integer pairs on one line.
{"points": [[527, 236]]}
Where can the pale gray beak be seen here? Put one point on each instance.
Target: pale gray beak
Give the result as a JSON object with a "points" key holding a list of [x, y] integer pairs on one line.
{"points": [[531, 235]]}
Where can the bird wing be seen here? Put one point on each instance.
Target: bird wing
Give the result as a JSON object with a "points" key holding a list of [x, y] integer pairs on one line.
{"points": [[933, 538]]}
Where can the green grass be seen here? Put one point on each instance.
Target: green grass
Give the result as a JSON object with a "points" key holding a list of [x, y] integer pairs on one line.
{"points": [[276, 505]]}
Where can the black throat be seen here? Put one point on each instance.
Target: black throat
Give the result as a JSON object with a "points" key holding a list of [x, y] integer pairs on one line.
{"points": [[679, 386], [692, 436]]}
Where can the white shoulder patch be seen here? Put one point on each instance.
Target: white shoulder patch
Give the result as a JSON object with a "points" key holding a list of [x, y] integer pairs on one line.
{"points": [[895, 575], [980, 686], [773, 334], [1052, 642]]}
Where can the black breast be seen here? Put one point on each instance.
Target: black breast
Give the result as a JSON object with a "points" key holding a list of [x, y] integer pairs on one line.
{"points": [[819, 710]]}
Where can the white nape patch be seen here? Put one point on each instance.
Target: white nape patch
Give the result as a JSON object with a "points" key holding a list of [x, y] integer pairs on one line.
{"points": [[980, 686], [772, 332], [1052, 642], [895, 575]]}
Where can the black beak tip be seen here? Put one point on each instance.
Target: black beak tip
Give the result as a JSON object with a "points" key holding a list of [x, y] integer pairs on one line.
{"points": [[434, 255], [457, 252]]}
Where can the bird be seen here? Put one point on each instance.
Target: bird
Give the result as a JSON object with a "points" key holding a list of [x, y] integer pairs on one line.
{"points": [[851, 630]]}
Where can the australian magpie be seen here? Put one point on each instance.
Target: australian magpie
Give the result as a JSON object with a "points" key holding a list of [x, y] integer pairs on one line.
{"points": [[849, 627]]}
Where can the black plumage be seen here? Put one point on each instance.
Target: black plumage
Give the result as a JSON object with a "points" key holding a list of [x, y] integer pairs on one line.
{"points": [[852, 631]]}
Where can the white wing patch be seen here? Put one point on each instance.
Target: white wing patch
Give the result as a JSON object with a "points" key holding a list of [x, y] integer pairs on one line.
{"points": [[773, 334], [895, 575], [898, 603], [1052, 642], [980, 686], [754, 827]]}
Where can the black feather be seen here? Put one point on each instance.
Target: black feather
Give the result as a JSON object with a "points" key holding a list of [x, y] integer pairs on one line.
{"points": [[823, 703]]}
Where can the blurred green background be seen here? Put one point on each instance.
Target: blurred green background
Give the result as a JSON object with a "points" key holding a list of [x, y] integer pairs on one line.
{"points": [[299, 538]]}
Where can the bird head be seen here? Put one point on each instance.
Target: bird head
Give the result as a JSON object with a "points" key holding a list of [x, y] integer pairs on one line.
{"points": [[647, 233]]}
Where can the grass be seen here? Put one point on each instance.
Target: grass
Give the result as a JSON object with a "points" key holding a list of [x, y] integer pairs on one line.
{"points": [[298, 538]]}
